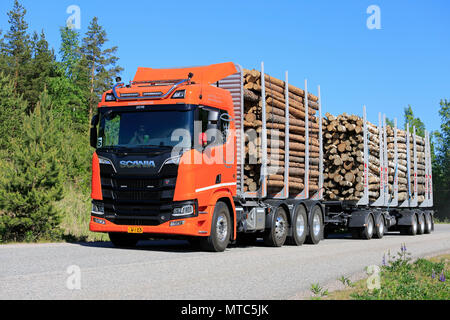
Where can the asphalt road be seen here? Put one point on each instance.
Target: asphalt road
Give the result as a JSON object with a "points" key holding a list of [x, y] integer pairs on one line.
{"points": [[172, 270]]}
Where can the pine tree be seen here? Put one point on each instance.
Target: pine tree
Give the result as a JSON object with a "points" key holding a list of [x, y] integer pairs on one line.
{"points": [[414, 122], [42, 68], [16, 46], [99, 64], [12, 110], [32, 179], [441, 163], [70, 52]]}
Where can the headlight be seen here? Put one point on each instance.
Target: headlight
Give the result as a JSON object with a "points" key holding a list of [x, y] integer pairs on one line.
{"points": [[98, 208], [186, 210]]}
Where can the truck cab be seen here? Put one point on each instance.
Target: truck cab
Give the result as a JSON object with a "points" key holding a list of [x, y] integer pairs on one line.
{"points": [[165, 163]]}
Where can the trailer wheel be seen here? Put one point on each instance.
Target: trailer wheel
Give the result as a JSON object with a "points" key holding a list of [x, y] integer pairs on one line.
{"points": [[421, 226], [428, 223], [412, 229], [380, 228], [315, 226], [299, 227], [366, 233], [123, 240], [277, 234], [220, 230]]}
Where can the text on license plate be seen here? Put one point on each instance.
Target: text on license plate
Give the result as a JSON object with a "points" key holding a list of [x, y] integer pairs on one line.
{"points": [[135, 230]]}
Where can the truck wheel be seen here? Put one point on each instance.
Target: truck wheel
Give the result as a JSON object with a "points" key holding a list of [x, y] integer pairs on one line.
{"points": [[123, 240], [428, 223], [421, 226], [220, 230], [315, 226], [277, 234], [412, 229], [367, 232], [380, 228], [299, 227]]}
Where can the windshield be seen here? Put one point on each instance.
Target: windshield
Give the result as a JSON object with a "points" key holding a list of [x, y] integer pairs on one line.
{"points": [[138, 129]]}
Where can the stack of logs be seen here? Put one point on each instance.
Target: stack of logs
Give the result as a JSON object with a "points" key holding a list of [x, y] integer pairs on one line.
{"points": [[402, 164], [344, 158], [275, 122]]}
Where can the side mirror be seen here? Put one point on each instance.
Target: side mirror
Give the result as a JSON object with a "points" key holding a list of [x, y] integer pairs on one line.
{"points": [[93, 132], [93, 137]]}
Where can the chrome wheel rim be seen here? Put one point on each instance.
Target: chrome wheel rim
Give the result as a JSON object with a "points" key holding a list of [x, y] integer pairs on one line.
{"points": [[381, 228], [316, 225], [414, 225], [429, 223], [422, 224], [222, 228], [280, 226], [300, 225], [370, 227]]}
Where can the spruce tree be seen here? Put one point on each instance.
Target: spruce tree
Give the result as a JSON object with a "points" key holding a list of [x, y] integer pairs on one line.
{"points": [[99, 64], [12, 110], [32, 179], [42, 68], [16, 46]]}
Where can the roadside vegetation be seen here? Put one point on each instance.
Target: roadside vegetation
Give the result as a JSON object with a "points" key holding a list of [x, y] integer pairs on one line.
{"points": [[46, 103], [45, 106], [400, 279]]}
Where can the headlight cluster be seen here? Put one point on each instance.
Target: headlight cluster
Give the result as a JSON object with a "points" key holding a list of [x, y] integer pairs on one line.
{"points": [[183, 211]]}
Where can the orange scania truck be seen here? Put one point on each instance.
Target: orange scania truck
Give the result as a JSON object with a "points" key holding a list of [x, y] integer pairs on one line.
{"points": [[169, 163]]}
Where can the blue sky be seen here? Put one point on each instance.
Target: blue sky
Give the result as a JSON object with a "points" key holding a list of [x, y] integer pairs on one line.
{"points": [[406, 62]]}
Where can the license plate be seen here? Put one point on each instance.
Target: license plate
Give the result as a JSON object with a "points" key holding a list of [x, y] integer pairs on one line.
{"points": [[135, 230]]}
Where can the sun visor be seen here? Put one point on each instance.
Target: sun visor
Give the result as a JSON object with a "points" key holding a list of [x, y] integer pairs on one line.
{"points": [[205, 74]]}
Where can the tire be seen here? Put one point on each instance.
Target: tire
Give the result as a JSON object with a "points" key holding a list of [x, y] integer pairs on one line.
{"points": [[367, 232], [428, 223], [123, 240], [412, 229], [277, 234], [315, 226], [380, 228], [421, 224], [299, 227], [220, 230]]}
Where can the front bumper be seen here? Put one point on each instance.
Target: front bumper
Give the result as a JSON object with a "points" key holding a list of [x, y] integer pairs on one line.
{"points": [[199, 225]]}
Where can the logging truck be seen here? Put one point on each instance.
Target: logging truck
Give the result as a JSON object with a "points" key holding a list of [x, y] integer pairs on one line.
{"points": [[219, 154]]}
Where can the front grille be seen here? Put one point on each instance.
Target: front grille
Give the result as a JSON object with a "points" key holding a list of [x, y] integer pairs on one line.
{"points": [[136, 183], [137, 200], [136, 195]]}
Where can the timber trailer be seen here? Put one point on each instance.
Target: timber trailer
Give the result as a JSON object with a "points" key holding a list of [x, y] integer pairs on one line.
{"points": [[146, 184]]}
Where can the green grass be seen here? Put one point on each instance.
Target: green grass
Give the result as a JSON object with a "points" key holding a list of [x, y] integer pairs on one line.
{"points": [[76, 212], [404, 279], [441, 220]]}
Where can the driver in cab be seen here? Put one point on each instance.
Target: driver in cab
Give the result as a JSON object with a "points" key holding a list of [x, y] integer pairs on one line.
{"points": [[140, 137]]}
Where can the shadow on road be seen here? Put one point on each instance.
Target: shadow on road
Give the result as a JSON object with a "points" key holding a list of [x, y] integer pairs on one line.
{"points": [[183, 246]]}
